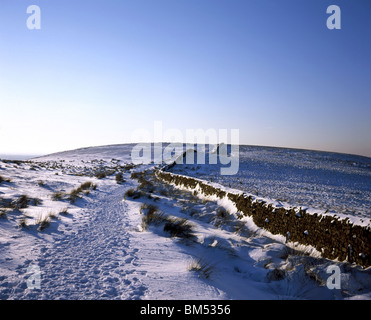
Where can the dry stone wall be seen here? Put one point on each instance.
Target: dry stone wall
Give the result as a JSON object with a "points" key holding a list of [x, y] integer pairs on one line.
{"points": [[335, 238]]}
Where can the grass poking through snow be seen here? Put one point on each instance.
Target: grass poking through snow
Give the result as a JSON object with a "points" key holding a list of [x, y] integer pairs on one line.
{"points": [[154, 218], [22, 222], [57, 196], [119, 178], [180, 228], [64, 212], [2, 179], [203, 268], [176, 227], [3, 214], [133, 194], [74, 194], [43, 221]]}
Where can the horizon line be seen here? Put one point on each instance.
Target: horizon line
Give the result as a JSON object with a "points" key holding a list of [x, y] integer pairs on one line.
{"points": [[39, 154]]}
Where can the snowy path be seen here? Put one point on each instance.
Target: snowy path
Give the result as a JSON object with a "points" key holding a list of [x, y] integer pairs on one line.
{"points": [[95, 260], [101, 254]]}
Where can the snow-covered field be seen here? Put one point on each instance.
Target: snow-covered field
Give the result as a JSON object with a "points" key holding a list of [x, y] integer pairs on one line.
{"points": [[92, 237], [323, 182]]}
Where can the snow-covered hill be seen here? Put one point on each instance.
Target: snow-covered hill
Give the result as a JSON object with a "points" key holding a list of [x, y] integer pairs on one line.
{"points": [[89, 225]]}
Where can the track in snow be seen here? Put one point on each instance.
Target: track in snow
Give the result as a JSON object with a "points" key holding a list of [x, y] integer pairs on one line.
{"points": [[96, 260]]}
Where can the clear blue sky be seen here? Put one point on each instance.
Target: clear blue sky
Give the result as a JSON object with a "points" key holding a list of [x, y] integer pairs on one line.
{"points": [[97, 70]]}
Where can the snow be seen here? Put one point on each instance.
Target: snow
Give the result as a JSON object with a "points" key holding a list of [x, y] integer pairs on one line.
{"points": [[320, 182], [100, 250]]}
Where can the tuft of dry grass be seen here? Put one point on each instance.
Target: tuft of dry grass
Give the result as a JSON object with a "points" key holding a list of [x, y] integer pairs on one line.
{"points": [[3, 179], [146, 185], [120, 178], [22, 202], [43, 221], [3, 214], [74, 194], [202, 267], [276, 274], [53, 215], [57, 196], [86, 186], [22, 222], [133, 194], [153, 218], [64, 211], [41, 183], [148, 209], [178, 227], [36, 201], [136, 175], [101, 174]]}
